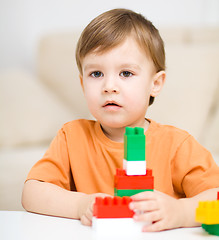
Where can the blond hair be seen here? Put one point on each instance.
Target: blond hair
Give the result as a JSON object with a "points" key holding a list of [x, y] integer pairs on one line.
{"points": [[111, 28]]}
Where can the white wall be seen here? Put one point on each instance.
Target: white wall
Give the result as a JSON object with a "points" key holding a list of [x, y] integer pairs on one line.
{"points": [[23, 22]]}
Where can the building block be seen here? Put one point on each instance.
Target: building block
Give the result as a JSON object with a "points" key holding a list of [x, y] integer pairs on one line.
{"points": [[134, 167], [211, 229], [208, 212], [116, 207], [134, 161], [134, 144], [128, 192], [123, 181], [112, 228]]}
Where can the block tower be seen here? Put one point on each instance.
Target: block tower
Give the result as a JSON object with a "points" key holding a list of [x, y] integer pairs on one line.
{"points": [[114, 213], [134, 177], [207, 213]]}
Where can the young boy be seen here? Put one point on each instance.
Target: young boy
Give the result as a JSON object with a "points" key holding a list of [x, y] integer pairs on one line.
{"points": [[121, 60]]}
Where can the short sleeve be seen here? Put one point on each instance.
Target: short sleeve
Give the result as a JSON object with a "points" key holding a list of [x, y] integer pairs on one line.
{"points": [[54, 167], [193, 169]]}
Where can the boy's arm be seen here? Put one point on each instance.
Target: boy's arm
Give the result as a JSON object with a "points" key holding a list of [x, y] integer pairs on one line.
{"points": [[49, 199], [166, 212]]}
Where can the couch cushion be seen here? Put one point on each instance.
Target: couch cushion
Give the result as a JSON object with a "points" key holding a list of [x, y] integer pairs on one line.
{"points": [[30, 113], [57, 69], [192, 79]]}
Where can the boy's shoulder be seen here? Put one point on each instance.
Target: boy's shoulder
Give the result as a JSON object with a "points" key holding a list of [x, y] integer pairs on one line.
{"points": [[168, 131], [78, 124]]}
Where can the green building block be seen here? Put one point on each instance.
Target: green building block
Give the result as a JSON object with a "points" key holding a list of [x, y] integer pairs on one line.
{"points": [[128, 192], [134, 144], [211, 228]]}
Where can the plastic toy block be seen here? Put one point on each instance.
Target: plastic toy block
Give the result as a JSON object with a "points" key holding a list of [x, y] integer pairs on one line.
{"points": [[208, 212], [123, 181], [134, 144], [128, 192], [211, 229], [111, 228], [116, 207], [217, 195], [134, 167]]}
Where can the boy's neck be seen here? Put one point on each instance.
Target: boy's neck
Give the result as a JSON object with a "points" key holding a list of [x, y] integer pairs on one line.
{"points": [[117, 134]]}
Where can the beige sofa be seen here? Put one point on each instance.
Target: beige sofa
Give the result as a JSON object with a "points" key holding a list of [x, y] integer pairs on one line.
{"points": [[34, 106]]}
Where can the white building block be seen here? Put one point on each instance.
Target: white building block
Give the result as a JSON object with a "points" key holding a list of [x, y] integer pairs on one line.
{"points": [[116, 227], [134, 167]]}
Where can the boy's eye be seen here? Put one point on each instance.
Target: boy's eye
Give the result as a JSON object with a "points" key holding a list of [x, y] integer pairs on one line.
{"points": [[96, 74], [126, 74]]}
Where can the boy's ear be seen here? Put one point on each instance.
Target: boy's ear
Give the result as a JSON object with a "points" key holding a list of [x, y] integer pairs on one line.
{"points": [[158, 82], [81, 81]]}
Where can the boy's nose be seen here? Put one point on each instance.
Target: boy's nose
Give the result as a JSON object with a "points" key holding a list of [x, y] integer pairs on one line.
{"points": [[110, 87], [110, 90]]}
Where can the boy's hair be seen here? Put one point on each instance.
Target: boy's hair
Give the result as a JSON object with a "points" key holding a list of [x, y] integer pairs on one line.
{"points": [[111, 28]]}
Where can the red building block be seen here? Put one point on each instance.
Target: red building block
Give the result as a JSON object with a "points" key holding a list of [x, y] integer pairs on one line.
{"points": [[217, 195], [115, 207], [123, 181]]}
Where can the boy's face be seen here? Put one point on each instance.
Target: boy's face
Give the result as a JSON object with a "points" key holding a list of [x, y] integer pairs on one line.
{"points": [[118, 83]]}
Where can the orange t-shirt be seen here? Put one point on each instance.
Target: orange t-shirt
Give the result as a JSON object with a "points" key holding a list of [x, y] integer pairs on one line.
{"points": [[81, 158]]}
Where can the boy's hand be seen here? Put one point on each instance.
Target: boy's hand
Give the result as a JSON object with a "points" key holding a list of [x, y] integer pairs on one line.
{"points": [[163, 211], [86, 208]]}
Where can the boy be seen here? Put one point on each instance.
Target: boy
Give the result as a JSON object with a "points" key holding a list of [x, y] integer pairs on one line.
{"points": [[121, 60]]}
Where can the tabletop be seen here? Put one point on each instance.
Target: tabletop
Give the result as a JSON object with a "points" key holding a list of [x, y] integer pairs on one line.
{"points": [[22, 225]]}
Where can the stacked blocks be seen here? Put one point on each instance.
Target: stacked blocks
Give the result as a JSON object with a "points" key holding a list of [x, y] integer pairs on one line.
{"points": [[113, 217], [134, 151], [129, 185], [114, 213], [207, 213], [133, 178]]}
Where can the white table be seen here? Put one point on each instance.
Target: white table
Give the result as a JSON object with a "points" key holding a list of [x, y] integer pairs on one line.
{"points": [[15, 225]]}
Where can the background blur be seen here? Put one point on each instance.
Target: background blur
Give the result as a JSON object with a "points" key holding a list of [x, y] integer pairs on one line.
{"points": [[39, 85]]}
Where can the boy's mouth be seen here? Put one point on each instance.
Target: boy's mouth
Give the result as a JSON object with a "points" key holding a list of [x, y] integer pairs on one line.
{"points": [[111, 105]]}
